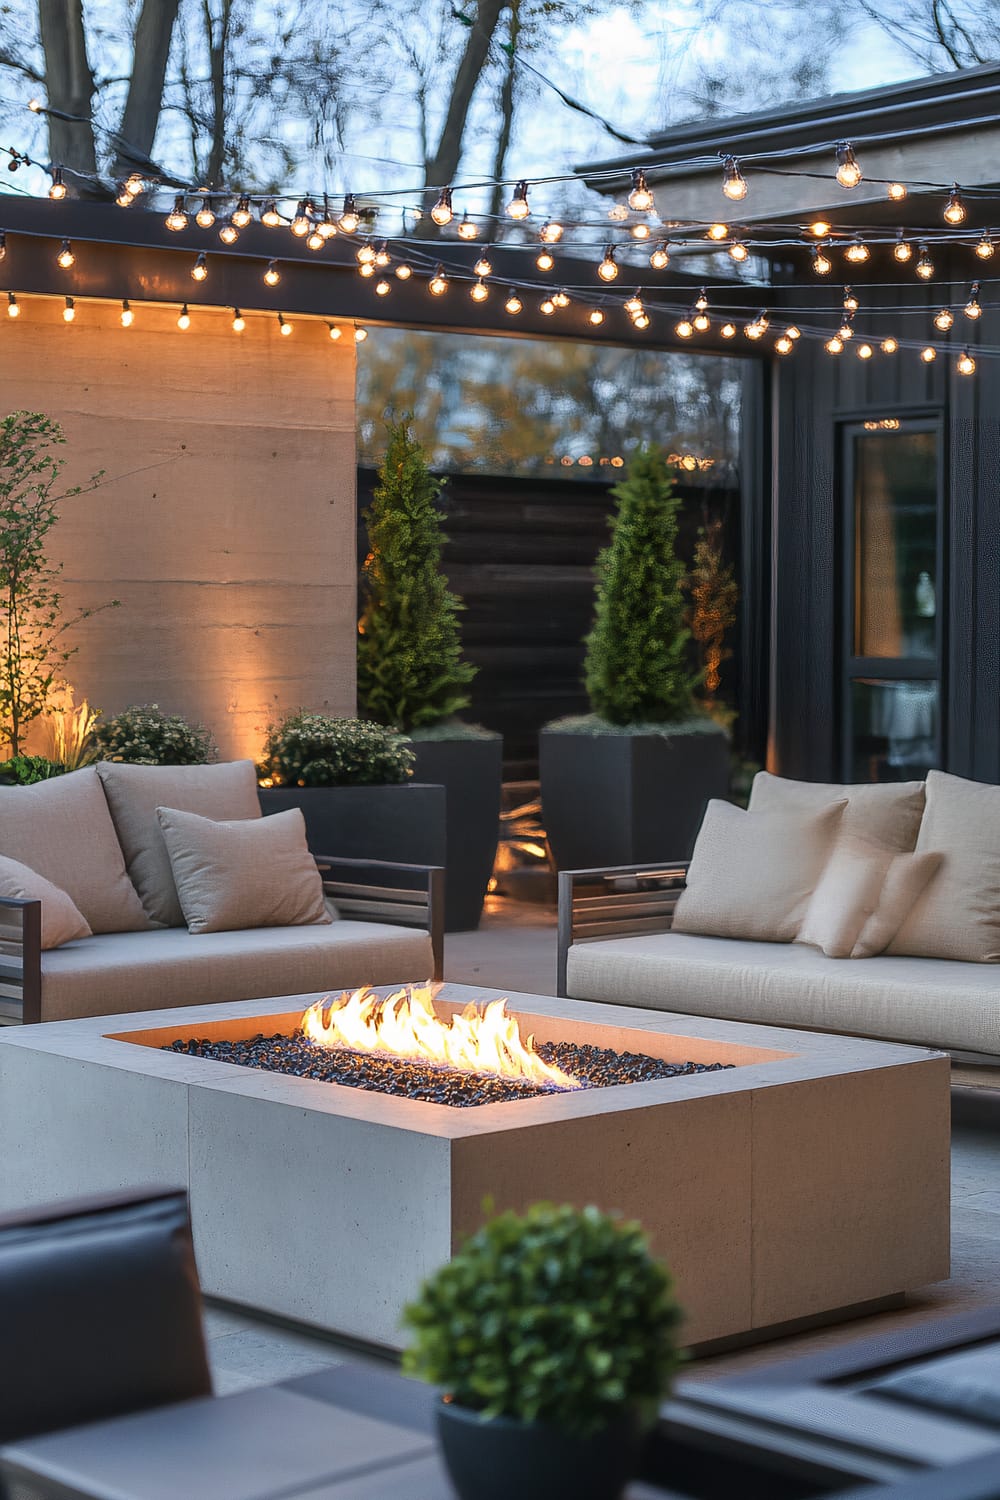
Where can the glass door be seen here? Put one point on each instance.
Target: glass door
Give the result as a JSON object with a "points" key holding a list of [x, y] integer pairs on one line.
{"points": [[893, 606]]}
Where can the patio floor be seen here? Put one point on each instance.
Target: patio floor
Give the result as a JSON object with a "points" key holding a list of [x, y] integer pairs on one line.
{"points": [[515, 948]]}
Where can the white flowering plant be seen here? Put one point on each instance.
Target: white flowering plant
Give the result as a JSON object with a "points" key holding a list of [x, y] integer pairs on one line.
{"points": [[143, 735], [317, 750]]}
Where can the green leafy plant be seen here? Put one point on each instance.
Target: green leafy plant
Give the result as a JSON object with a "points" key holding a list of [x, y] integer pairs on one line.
{"points": [[636, 667], [316, 750], [410, 667], [26, 770], [143, 735], [715, 597], [33, 649], [559, 1316]]}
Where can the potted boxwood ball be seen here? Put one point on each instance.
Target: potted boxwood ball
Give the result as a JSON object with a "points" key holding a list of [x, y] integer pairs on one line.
{"points": [[553, 1337]]}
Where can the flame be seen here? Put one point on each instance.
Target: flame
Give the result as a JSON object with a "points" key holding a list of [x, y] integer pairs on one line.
{"points": [[405, 1025]]}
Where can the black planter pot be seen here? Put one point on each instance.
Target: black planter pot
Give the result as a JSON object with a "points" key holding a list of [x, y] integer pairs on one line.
{"points": [[621, 799], [502, 1459], [404, 823], [471, 771]]}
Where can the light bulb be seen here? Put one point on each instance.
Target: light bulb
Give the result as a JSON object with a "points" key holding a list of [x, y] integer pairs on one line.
{"points": [[334, 332], [608, 269], [660, 258], [127, 315], [242, 214], [596, 317], [229, 234], [925, 266], [617, 213], [36, 106], [65, 258], [640, 198], [733, 182], [199, 270], [350, 218], [738, 251], [684, 329], [442, 213], [551, 232], [845, 331], [177, 219], [954, 211], [271, 216], [834, 345], [633, 304], [928, 355], [793, 332], [701, 301], [13, 306], [483, 266], [184, 319], [58, 188], [404, 270], [326, 227], [545, 260], [69, 311], [754, 329], [383, 287], [239, 321], [889, 345], [820, 228], [857, 251], [365, 255], [300, 223], [864, 351], [479, 291], [702, 322], [784, 345], [135, 183], [973, 308], [205, 217], [518, 208], [821, 262], [850, 302], [123, 197], [944, 319], [902, 249], [368, 269], [985, 247], [438, 284], [896, 191], [272, 275], [382, 256], [728, 330], [965, 364], [467, 230], [640, 231], [641, 321], [314, 240], [360, 334], [513, 303], [547, 306], [717, 231], [561, 297], [848, 171]]}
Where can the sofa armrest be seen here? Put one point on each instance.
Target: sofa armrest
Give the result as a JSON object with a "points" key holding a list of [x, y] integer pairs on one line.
{"points": [[378, 890], [616, 901], [20, 960]]}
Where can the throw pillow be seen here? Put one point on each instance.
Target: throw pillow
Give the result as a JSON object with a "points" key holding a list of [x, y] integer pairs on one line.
{"points": [[958, 914], [62, 830], [224, 792], [907, 879], [884, 813], [247, 873], [862, 898], [752, 873], [61, 921]]}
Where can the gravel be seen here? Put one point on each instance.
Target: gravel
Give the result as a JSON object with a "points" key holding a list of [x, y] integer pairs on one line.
{"points": [[595, 1067]]}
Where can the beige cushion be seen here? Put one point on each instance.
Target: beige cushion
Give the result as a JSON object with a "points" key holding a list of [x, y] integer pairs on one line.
{"points": [[958, 915], [247, 873], [886, 813], [906, 880], [171, 966], [61, 922], [752, 874], [862, 898], [62, 830], [926, 1001], [134, 793]]}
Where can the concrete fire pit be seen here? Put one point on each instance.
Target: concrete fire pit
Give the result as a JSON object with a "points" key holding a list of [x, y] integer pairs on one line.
{"points": [[809, 1179]]}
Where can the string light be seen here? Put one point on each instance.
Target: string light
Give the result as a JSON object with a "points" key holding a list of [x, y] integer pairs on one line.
{"points": [[701, 301], [350, 218], [846, 329], [283, 327], [973, 308], [738, 251], [513, 304], [944, 319], [483, 266], [205, 217], [821, 262], [633, 304], [326, 227], [383, 287], [642, 321], [65, 258], [404, 270], [864, 351], [784, 345], [551, 232], [135, 183], [58, 188], [123, 197], [896, 191], [272, 275], [925, 266], [596, 317], [850, 302], [965, 365], [545, 260], [902, 249], [334, 332], [184, 320], [365, 255], [442, 213], [438, 284], [834, 345], [199, 270], [954, 211], [518, 208], [889, 345], [467, 230], [734, 184], [239, 321], [229, 234], [69, 311], [848, 171], [660, 258], [479, 291], [270, 216], [314, 240], [985, 247], [241, 213], [702, 322], [13, 306], [177, 219], [820, 228], [367, 268], [640, 231], [608, 269], [300, 224], [382, 256], [360, 334], [728, 330], [758, 326], [928, 355], [561, 297], [640, 198], [857, 251], [717, 232], [127, 315], [617, 213], [547, 306]]}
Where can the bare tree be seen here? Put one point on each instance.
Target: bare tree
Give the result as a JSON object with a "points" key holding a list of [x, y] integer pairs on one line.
{"points": [[940, 34]]}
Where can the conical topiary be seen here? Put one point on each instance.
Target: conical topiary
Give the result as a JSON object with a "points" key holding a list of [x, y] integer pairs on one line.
{"points": [[410, 668], [636, 669]]}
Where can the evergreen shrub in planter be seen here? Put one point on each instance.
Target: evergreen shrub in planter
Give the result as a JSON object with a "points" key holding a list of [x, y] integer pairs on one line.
{"points": [[412, 675], [553, 1337], [628, 783]]}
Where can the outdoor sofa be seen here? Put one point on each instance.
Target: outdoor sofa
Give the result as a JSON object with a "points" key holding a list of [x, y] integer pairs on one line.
{"points": [[934, 981], [88, 850]]}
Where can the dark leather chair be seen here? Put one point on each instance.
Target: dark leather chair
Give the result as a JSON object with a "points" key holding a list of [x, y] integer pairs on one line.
{"points": [[100, 1311]]}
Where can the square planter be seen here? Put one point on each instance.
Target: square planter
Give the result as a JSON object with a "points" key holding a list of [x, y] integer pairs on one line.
{"points": [[471, 772], [622, 799], [404, 823]]}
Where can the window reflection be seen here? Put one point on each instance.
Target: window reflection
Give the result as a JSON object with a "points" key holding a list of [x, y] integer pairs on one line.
{"points": [[895, 504], [895, 728]]}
